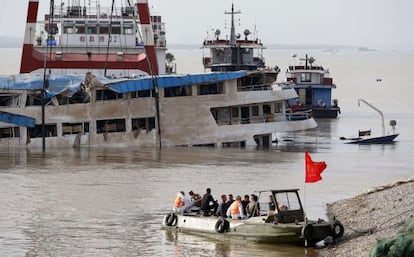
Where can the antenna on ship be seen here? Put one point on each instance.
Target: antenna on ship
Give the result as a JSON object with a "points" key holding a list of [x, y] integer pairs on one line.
{"points": [[233, 39]]}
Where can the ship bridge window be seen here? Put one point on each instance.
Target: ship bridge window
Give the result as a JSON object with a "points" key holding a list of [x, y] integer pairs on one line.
{"points": [[80, 29], [9, 132], [75, 128], [177, 91], [104, 29], [50, 131], [68, 29], [305, 77], [211, 89], [92, 30], [106, 94], [115, 30], [147, 123], [108, 126], [128, 30]]}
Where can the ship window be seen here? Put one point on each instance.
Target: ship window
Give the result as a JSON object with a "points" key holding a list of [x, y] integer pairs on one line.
{"points": [[235, 112], [50, 131], [34, 100], [211, 89], [75, 128], [278, 108], [9, 132], [104, 29], [128, 31], [177, 91], [143, 93], [305, 77], [92, 30], [221, 115], [108, 126], [106, 94], [80, 29], [68, 29], [147, 123], [255, 110], [9, 100], [116, 30]]}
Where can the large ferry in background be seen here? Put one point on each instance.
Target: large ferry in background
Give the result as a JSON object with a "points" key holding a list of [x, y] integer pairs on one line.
{"points": [[97, 79], [234, 52], [107, 41]]}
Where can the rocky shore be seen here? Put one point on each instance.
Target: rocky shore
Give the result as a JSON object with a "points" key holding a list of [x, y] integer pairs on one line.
{"points": [[379, 213]]}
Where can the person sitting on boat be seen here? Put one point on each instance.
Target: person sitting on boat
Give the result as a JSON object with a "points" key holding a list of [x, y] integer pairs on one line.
{"points": [[230, 200], [235, 211], [195, 199], [272, 206], [283, 207], [253, 208], [208, 203], [181, 203], [222, 208]]}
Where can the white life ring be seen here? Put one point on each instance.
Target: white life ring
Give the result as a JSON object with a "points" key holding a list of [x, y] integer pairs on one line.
{"points": [[321, 103]]}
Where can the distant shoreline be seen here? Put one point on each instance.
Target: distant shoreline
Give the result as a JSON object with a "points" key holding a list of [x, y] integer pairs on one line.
{"points": [[15, 42]]}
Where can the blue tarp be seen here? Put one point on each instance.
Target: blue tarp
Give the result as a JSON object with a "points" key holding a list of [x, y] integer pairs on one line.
{"points": [[60, 83], [57, 83], [145, 83], [19, 120]]}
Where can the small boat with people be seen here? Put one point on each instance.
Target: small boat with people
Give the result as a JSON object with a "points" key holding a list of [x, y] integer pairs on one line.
{"points": [[277, 217], [366, 137], [314, 85]]}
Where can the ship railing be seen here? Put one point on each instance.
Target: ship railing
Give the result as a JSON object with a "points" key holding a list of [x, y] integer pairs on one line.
{"points": [[260, 87]]}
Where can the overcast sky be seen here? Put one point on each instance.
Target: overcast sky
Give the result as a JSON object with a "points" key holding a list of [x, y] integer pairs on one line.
{"points": [[371, 23]]}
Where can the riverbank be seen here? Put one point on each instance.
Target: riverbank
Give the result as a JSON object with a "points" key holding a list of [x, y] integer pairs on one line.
{"points": [[379, 213]]}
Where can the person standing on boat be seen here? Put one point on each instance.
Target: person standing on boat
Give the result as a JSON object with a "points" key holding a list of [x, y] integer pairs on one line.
{"points": [[235, 211], [222, 208], [245, 202], [208, 203], [180, 203], [253, 208]]}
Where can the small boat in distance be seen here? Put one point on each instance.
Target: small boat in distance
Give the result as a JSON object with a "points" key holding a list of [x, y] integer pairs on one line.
{"points": [[286, 224], [365, 137], [314, 86]]}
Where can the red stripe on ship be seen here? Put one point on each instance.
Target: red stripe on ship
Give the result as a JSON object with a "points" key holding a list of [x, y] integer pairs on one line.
{"points": [[144, 15], [32, 11], [82, 61]]}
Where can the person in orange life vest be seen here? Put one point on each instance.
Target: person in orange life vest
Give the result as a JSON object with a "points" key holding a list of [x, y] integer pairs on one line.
{"points": [[181, 203], [235, 211]]}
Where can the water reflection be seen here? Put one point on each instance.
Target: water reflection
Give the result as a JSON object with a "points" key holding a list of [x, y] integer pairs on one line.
{"points": [[195, 245]]}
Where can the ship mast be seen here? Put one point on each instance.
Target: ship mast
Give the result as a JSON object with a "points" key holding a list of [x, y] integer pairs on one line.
{"points": [[233, 41]]}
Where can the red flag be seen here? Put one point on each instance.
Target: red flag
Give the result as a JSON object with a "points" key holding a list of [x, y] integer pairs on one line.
{"points": [[313, 169]]}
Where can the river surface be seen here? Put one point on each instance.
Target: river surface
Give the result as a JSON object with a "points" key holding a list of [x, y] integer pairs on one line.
{"points": [[111, 201]]}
